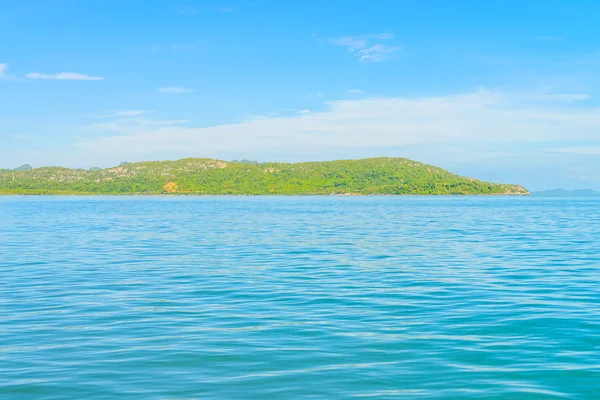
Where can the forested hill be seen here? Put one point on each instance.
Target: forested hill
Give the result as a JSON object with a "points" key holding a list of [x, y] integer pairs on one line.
{"points": [[207, 176]]}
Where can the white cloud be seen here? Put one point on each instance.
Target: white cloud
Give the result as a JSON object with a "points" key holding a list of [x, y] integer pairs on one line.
{"points": [[356, 91], [131, 113], [304, 112], [130, 124], [120, 114], [566, 97], [186, 10], [368, 48], [174, 89], [550, 38], [3, 69], [189, 48], [449, 126], [64, 76], [580, 151]]}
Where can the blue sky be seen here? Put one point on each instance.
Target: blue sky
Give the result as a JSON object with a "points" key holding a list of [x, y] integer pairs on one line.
{"points": [[499, 90]]}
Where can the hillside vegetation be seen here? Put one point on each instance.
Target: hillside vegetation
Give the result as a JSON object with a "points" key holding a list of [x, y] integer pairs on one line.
{"points": [[398, 176]]}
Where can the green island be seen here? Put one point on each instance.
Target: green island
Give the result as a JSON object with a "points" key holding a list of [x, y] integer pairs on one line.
{"points": [[203, 176]]}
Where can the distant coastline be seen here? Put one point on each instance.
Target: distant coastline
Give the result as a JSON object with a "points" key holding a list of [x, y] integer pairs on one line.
{"points": [[566, 193], [203, 176]]}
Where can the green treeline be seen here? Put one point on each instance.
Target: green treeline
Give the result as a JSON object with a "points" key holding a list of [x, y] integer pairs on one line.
{"points": [[398, 176]]}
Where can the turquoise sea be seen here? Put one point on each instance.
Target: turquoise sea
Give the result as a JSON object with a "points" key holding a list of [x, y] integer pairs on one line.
{"points": [[299, 297]]}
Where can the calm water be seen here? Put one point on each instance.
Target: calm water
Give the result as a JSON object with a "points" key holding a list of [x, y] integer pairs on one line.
{"points": [[299, 297]]}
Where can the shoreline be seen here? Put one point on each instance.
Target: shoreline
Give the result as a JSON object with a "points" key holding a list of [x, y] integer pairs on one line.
{"points": [[259, 195]]}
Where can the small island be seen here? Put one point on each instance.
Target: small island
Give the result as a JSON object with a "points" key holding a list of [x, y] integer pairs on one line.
{"points": [[203, 176]]}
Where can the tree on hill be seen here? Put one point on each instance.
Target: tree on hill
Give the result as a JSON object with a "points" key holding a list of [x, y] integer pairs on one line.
{"points": [[380, 176]]}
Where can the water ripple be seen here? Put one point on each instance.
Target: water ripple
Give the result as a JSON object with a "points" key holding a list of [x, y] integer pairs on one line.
{"points": [[299, 297]]}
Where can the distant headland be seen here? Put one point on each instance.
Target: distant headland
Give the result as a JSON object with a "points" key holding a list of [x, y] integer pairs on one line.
{"points": [[204, 176]]}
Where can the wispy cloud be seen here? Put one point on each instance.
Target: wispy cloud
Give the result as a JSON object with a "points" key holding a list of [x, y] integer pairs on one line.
{"points": [[188, 48], [355, 91], [176, 48], [187, 10], [3, 69], [21, 136], [550, 38], [174, 89], [304, 112], [368, 48], [131, 125], [564, 97], [580, 151], [121, 114], [65, 76], [132, 113], [449, 126]]}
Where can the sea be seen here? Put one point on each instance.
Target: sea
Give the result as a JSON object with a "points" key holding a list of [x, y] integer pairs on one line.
{"points": [[299, 297]]}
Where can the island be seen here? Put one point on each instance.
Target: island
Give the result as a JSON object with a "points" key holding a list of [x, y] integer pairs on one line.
{"points": [[204, 176]]}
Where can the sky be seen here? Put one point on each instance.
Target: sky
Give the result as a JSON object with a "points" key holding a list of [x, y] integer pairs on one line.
{"points": [[505, 91]]}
